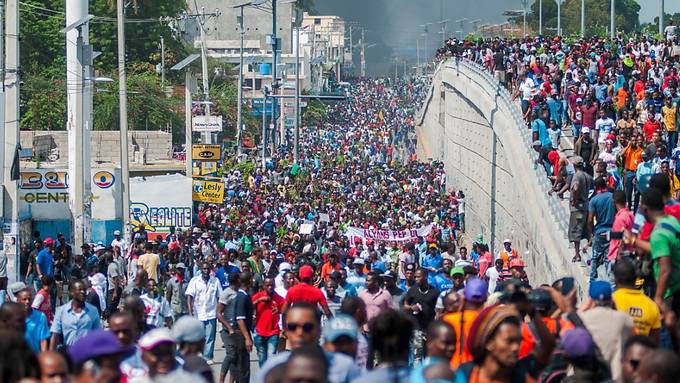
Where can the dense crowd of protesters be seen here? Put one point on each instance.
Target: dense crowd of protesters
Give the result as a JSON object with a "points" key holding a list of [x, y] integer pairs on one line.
{"points": [[351, 266]]}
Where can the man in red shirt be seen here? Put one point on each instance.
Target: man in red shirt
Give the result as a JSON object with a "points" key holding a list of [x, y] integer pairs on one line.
{"points": [[652, 125], [267, 306], [304, 291], [329, 267]]}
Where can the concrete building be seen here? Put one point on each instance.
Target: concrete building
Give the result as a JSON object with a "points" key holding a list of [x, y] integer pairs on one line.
{"points": [[223, 33], [326, 37]]}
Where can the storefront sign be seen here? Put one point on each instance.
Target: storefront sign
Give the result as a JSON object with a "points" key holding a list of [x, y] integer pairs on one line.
{"points": [[206, 152], [208, 191]]}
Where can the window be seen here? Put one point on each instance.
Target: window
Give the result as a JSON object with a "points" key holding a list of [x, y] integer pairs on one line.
{"points": [[317, 21]]}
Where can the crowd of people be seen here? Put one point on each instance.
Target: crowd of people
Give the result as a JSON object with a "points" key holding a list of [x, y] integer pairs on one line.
{"points": [[353, 265]]}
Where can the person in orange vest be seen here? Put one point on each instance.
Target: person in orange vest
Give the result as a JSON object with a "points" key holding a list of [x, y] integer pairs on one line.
{"points": [[474, 294], [542, 302], [508, 253]]}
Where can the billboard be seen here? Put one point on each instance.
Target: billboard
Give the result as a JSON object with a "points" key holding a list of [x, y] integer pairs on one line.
{"points": [[152, 205], [44, 194], [208, 191]]}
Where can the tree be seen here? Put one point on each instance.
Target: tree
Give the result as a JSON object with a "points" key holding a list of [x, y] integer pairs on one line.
{"points": [[597, 16], [43, 60], [148, 106]]}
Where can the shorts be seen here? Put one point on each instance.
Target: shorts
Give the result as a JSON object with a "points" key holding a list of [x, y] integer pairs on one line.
{"points": [[577, 224]]}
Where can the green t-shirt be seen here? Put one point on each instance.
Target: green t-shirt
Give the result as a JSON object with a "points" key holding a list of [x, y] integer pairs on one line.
{"points": [[247, 243], [664, 242]]}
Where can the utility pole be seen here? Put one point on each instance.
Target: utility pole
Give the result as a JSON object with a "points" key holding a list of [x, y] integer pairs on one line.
{"points": [[122, 101], [11, 132], [417, 55], [239, 111], [363, 53], [559, 17], [188, 84], [583, 18], [661, 11], [207, 136], [76, 37], [163, 63], [540, 17], [613, 20], [275, 85], [524, 17], [296, 148]]}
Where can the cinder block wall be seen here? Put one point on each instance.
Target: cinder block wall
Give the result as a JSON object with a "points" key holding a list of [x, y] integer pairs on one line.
{"points": [[105, 145]]}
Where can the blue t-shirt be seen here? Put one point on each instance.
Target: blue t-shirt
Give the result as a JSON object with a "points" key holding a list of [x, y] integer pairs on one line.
{"points": [[36, 329], [222, 274], [46, 262], [539, 127], [602, 206]]}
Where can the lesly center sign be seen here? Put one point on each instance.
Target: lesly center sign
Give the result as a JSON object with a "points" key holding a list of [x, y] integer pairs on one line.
{"points": [[44, 193]]}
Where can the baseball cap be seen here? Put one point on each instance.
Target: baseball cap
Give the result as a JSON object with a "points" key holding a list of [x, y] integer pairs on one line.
{"points": [[358, 261], [577, 160], [585, 130], [476, 290], [600, 291], [116, 232], [340, 325], [93, 345], [388, 274], [579, 100], [537, 143], [517, 263], [410, 267], [578, 343], [180, 266], [154, 338], [188, 329], [457, 271], [284, 266], [306, 272], [48, 241], [15, 287], [507, 240]]}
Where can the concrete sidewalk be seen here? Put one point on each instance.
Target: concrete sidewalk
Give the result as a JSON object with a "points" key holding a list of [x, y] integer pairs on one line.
{"points": [[219, 357]]}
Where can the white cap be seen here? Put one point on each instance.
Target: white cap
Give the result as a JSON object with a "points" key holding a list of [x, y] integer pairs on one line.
{"points": [[358, 261], [507, 240], [116, 232], [585, 130], [155, 337]]}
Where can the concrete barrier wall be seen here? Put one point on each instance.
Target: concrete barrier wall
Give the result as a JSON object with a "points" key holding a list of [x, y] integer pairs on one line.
{"points": [[105, 145], [469, 123]]}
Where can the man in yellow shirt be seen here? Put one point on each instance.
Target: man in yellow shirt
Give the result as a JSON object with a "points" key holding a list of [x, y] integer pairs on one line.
{"points": [[642, 309], [669, 112], [150, 261]]}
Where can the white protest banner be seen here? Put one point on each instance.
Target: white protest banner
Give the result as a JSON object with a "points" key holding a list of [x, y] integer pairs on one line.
{"points": [[388, 235]]}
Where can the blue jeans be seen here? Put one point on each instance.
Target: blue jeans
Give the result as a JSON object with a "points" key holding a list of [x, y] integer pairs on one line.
{"points": [[266, 347], [599, 257], [210, 327], [576, 131], [672, 140]]}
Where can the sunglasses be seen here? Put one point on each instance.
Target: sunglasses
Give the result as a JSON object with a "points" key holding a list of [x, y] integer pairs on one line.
{"points": [[306, 327]]}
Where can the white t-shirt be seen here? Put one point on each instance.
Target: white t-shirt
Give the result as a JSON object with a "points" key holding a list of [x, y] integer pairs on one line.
{"points": [[604, 126], [156, 310], [492, 275], [406, 258], [526, 88], [461, 205]]}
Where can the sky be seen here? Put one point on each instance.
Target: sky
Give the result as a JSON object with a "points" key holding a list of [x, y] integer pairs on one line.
{"points": [[395, 24]]}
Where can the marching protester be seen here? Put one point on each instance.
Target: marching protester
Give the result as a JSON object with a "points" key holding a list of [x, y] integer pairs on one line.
{"points": [[343, 266]]}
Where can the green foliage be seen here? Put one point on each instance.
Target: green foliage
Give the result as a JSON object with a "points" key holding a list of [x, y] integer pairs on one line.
{"points": [[148, 106], [597, 19], [314, 113], [43, 62]]}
